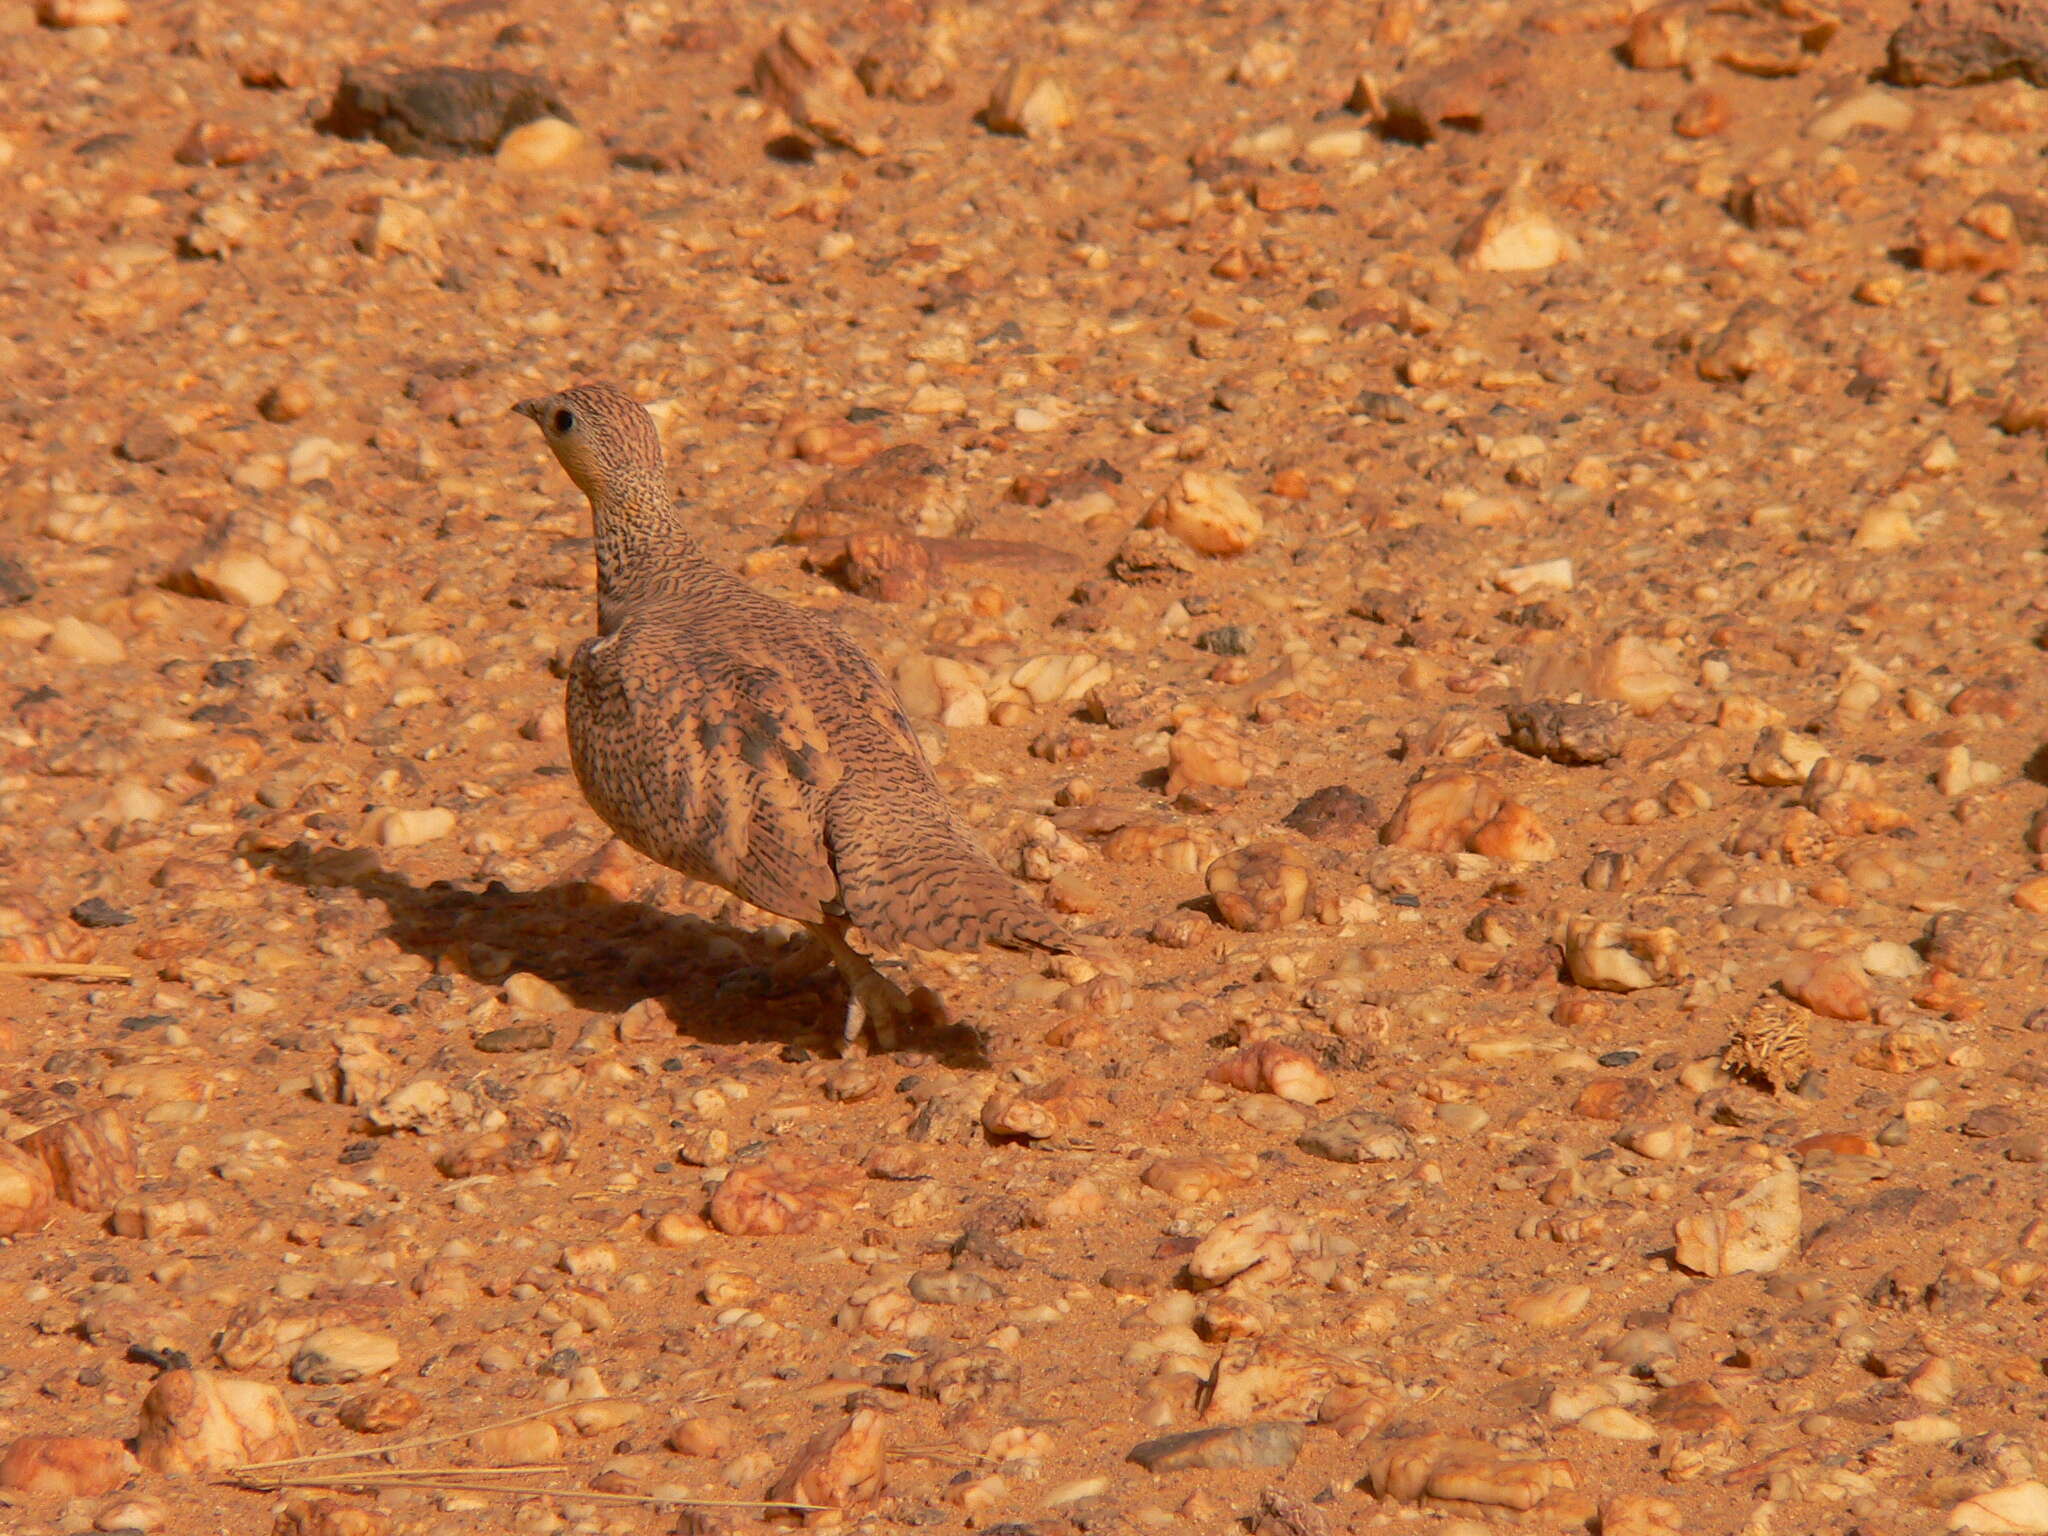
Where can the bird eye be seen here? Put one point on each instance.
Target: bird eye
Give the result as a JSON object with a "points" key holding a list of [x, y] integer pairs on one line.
{"points": [[565, 421]]}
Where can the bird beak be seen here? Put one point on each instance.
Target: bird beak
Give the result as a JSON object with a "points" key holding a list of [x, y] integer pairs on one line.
{"points": [[530, 409]]}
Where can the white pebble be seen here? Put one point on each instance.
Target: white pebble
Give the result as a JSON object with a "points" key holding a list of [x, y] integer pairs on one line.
{"points": [[545, 144], [82, 13], [1617, 1423], [82, 640], [408, 829]]}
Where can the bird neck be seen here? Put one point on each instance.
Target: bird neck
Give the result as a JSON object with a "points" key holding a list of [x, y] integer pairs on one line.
{"points": [[642, 545]]}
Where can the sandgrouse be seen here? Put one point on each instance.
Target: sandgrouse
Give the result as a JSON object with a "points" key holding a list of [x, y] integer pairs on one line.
{"points": [[752, 745]]}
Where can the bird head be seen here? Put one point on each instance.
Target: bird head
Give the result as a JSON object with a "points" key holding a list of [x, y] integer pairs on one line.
{"points": [[604, 439]]}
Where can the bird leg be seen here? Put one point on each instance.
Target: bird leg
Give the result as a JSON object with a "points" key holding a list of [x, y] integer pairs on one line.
{"points": [[872, 1000], [782, 975], [801, 963]]}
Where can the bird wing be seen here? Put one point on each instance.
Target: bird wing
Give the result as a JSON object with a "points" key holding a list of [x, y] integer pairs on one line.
{"points": [[712, 764], [909, 872]]}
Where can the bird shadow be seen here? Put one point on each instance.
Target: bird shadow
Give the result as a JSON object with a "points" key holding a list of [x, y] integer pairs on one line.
{"points": [[604, 953]]}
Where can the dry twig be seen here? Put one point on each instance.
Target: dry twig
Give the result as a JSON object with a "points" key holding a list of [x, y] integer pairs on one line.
{"points": [[296, 1472], [62, 970]]}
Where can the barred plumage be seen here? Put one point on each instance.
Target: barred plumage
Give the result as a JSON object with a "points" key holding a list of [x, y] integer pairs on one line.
{"points": [[750, 744]]}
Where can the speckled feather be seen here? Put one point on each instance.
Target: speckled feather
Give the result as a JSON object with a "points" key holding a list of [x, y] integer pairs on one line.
{"points": [[746, 742]]}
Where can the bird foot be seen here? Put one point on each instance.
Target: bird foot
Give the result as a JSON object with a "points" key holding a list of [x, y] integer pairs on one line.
{"points": [[789, 972], [873, 1002]]}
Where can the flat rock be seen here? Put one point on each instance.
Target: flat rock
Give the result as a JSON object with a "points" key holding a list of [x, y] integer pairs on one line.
{"points": [[1335, 811], [1359, 1137], [440, 112], [1566, 732], [1970, 42], [148, 439], [1233, 1446], [1491, 88]]}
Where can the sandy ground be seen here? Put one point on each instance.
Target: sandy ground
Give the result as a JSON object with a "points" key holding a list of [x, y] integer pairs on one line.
{"points": [[1490, 555]]}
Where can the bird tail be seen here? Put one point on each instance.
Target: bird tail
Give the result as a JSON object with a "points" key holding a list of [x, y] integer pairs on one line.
{"points": [[934, 888]]}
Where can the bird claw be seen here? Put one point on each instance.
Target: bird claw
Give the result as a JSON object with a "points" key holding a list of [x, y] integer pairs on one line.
{"points": [[755, 981], [877, 1004]]}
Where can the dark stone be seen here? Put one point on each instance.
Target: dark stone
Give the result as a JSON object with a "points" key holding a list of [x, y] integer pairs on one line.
{"points": [[16, 585], [1381, 406], [148, 439], [1966, 944], [1495, 87], [515, 1037], [1991, 1120], [441, 111], [1885, 1219], [644, 160], [1336, 810], [1225, 640], [1222, 1449], [1379, 606], [95, 913], [1565, 733], [1359, 1137], [102, 147], [1967, 42]]}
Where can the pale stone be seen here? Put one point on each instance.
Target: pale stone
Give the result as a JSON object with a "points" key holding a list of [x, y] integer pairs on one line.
{"points": [[535, 994], [1872, 107], [545, 144], [1894, 961], [1927, 1429], [1543, 575], [1616, 1423], [515, 1445], [1266, 63], [1671, 1143], [1515, 234], [1059, 679], [1755, 1233], [65, 1466], [2017, 1509], [1783, 757], [342, 1354], [241, 577], [82, 13], [1611, 958], [132, 1512], [1260, 1243], [82, 640], [313, 458], [200, 1422], [402, 229], [938, 687], [1030, 103], [1337, 145], [1643, 674], [409, 829], [1886, 527], [1552, 1308], [1207, 512]]}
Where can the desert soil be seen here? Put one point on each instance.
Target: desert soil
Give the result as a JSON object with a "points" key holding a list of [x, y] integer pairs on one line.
{"points": [[1489, 556]]}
